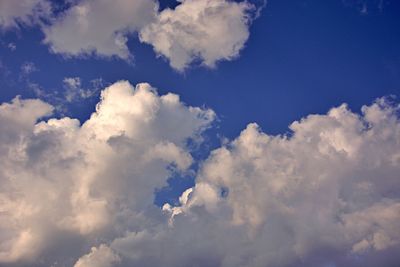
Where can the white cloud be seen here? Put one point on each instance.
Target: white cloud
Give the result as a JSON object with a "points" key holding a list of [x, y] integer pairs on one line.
{"points": [[16, 119], [326, 195], [75, 92], [204, 30], [83, 183], [16, 12], [98, 257], [82, 194], [99, 27], [196, 30]]}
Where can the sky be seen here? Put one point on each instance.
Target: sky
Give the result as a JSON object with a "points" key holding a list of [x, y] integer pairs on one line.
{"points": [[199, 133]]}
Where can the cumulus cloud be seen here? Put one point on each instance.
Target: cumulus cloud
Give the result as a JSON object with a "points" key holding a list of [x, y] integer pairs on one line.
{"points": [[206, 30], [82, 194], [98, 257], [99, 27], [66, 186], [14, 13], [325, 196], [195, 31]]}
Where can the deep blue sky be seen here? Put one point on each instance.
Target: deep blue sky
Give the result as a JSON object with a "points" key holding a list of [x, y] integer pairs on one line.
{"points": [[303, 56]]}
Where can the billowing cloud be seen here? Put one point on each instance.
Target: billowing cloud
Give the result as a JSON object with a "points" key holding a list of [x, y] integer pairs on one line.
{"points": [[98, 257], [82, 195], [99, 27], [327, 195], [66, 186], [13, 13], [207, 31]]}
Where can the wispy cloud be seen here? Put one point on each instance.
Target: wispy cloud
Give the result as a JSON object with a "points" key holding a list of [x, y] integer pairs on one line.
{"points": [[75, 92], [28, 67], [366, 7], [12, 46]]}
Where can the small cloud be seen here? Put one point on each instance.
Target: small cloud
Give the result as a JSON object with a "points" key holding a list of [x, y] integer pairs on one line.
{"points": [[72, 92], [72, 82], [12, 46], [75, 92], [97, 83], [5, 73], [28, 68], [366, 7], [53, 97]]}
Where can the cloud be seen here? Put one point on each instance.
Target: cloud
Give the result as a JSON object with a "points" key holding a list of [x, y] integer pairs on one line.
{"points": [[4, 70], [83, 194], [327, 195], [99, 27], [26, 12], [27, 68], [206, 31], [98, 257], [74, 91], [195, 31], [366, 7], [66, 186], [12, 46]]}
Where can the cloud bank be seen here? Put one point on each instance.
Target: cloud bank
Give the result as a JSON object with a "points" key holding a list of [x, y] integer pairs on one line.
{"points": [[82, 195]]}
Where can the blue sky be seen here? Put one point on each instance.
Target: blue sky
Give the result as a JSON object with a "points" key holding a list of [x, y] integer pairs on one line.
{"points": [[302, 57], [293, 59]]}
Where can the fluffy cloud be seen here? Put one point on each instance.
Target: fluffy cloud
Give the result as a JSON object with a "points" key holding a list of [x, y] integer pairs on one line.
{"points": [[14, 13], [201, 31], [99, 27], [325, 196], [98, 257], [82, 195], [206, 30], [66, 186]]}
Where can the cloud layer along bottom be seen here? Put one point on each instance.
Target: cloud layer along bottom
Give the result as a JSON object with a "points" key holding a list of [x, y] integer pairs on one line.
{"points": [[82, 195]]}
